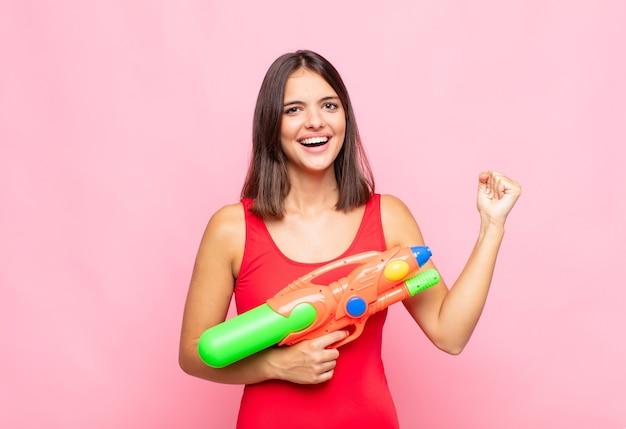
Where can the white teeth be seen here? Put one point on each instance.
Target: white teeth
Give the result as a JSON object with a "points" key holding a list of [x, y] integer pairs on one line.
{"points": [[315, 140]]}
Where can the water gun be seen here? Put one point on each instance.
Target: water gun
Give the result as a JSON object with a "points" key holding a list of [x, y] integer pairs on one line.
{"points": [[305, 310]]}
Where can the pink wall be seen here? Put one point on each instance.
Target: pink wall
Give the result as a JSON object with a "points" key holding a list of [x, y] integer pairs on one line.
{"points": [[125, 124]]}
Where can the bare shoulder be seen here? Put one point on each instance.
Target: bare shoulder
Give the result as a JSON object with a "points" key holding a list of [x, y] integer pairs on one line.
{"points": [[391, 202], [226, 232], [228, 220], [394, 210], [399, 225]]}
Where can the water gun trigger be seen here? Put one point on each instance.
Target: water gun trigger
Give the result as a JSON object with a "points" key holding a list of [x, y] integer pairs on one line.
{"points": [[354, 332]]}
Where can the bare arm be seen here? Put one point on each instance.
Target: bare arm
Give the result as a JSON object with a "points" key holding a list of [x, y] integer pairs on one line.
{"points": [[208, 299], [448, 316]]}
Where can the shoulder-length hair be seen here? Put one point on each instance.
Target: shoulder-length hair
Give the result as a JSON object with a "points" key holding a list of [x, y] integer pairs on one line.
{"points": [[267, 182]]}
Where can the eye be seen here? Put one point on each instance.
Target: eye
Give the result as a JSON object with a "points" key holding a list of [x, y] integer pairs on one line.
{"points": [[291, 110], [331, 106]]}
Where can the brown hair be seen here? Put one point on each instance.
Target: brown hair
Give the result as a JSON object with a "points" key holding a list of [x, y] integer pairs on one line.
{"points": [[267, 181]]}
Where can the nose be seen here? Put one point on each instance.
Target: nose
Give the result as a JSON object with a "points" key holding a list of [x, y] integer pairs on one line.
{"points": [[314, 119]]}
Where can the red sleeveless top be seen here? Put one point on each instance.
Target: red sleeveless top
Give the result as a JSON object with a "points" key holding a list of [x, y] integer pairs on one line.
{"points": [[358, 394]]}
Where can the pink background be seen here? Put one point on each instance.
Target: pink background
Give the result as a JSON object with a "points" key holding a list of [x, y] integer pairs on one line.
{"points": [[125, 124]]}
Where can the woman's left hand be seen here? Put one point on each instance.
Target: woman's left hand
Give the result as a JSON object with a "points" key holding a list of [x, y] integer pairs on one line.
{"points": [[497, 195]]}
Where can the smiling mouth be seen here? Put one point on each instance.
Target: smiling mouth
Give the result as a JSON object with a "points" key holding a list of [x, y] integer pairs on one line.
{"points": [[314, 141]]}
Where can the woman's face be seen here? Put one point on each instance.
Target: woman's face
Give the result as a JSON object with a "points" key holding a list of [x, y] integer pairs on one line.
{"points": [[313, 122]]}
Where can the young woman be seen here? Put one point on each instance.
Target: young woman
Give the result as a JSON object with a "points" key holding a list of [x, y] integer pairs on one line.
{"points": [[309, 199]]}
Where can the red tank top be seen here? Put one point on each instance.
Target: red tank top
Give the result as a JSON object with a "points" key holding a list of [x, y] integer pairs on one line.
{"points": [[358, 394]]}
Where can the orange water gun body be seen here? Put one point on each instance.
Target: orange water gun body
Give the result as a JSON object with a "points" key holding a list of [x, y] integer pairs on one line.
{"points": [[306, 310]]}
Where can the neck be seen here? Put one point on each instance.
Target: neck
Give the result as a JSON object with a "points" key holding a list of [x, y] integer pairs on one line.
{"points": [[312, 196], [304, 202]]}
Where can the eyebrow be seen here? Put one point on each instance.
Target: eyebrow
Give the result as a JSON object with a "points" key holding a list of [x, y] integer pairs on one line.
{"points": [[327, 98]]}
